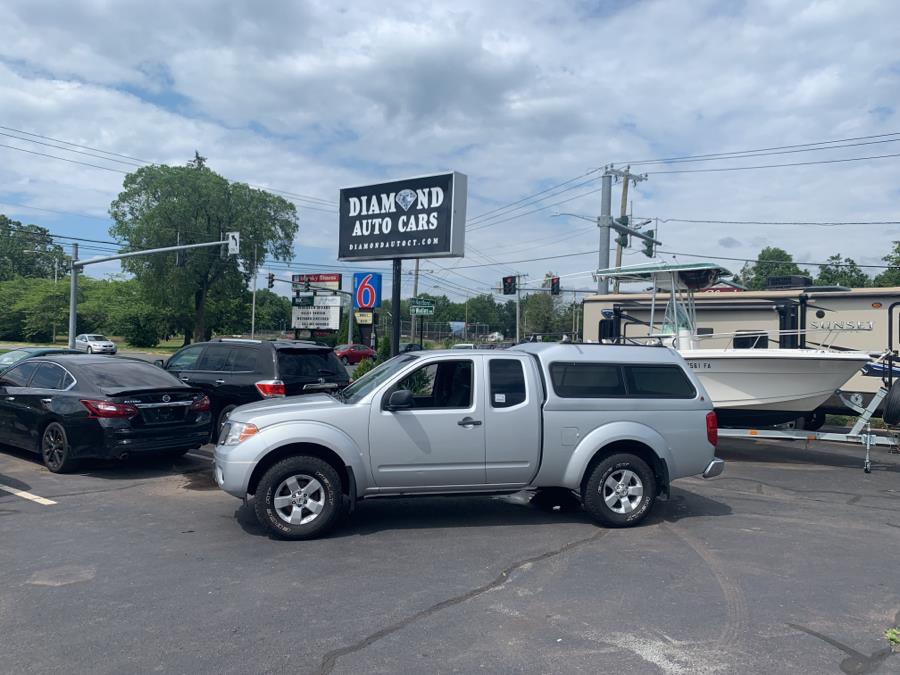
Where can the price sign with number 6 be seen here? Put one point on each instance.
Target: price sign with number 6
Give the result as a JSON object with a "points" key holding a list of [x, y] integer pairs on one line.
{"points": [[366, 290]]}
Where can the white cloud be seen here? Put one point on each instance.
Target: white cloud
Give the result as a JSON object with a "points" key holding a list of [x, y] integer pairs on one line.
{"points": [[313, 96]]}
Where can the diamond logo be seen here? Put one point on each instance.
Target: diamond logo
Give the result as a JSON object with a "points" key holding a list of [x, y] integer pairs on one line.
{"points": [[406, 198]]}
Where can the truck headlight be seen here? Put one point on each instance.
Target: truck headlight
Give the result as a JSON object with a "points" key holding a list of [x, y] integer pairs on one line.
{"points": [[236, 432]]}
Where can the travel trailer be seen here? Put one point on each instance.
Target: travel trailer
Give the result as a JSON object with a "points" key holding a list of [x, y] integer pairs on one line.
{"points": [[833, 319]]}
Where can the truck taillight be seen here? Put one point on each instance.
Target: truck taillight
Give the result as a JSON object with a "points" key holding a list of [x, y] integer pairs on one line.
{"points": [[712, 429], [108, 409], [270, 388]]}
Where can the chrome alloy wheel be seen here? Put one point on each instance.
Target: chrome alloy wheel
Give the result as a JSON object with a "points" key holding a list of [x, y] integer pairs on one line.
{"points": [[53, 447], [299, 499], [622, 491]]}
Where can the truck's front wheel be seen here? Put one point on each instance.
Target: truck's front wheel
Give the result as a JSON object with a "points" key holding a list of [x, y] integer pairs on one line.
{"points": [[299, 498], [619, 491]]}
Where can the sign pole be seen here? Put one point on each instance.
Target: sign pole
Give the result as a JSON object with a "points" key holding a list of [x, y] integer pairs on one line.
{"points": [[350, 339], [395, 306]]}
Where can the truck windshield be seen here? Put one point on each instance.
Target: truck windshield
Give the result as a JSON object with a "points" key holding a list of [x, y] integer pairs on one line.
{"points": [[356, 391]]}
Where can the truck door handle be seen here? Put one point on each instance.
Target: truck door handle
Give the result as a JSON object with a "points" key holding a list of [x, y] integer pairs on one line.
{"points": [[220, 382], [10, 398], [185, 378], [46, 400], [469, 422]]}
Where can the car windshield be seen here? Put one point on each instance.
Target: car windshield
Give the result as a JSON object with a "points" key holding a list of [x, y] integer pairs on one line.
{"points": [[356, 391], [122, 374], [97, 338], [12, 357]]}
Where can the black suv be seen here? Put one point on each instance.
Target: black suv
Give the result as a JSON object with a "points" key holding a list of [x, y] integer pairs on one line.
{"points": [[234, 372]]}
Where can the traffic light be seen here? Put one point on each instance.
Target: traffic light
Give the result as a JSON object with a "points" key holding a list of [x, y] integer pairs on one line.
{"points": [[623, 221], [648, 244], [554, 285], [622, 240], [271, 278], [509, 285]]}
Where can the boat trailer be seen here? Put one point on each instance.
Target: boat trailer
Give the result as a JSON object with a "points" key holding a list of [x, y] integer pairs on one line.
{"points": [[860, 432]]}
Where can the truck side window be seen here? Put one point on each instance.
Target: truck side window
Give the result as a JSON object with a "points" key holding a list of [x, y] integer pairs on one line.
{"points": [[587, 380], [507, 382], [667, 381], [445, 384]]}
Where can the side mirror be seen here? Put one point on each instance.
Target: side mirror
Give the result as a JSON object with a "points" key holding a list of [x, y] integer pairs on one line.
{"points": [[400, 400], [159, 363]]}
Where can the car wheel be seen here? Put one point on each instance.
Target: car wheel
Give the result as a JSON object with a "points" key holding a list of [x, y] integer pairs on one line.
{"points": [[619, 491], [223, 417], [55, 449], [345, 360], [90, 350], [299, 498]]}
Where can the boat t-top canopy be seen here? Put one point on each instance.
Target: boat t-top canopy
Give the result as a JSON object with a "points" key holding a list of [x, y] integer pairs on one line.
{"points": [[691, 276]]}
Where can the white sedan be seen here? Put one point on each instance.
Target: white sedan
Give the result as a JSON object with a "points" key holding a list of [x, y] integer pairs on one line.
{"points": [[94, 344]]}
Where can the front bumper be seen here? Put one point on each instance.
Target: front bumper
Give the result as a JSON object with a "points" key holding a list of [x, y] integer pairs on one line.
{"points": [[231, 474], [714, 468]]}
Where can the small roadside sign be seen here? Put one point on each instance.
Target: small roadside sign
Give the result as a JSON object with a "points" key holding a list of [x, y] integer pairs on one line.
{"points": [[421, 310], [363, 318]]}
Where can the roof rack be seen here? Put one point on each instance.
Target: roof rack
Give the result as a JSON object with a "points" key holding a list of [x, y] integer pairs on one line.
{"points": [[236, 340]]}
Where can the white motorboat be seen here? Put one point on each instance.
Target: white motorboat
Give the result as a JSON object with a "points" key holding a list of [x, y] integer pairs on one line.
{"points": [[747, 386]]}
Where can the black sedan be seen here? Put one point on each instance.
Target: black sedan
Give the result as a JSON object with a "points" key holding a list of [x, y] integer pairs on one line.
{"points": [[68, 407]]}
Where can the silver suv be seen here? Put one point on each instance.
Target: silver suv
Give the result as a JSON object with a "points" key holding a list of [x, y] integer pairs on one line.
{"points": [[613, 425]]}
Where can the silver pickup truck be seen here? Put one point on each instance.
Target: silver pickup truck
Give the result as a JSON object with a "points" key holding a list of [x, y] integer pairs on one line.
{"points": [[612, 424]]}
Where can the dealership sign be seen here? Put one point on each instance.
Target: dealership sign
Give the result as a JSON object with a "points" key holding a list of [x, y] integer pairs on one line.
{"points": [[423, 217]]}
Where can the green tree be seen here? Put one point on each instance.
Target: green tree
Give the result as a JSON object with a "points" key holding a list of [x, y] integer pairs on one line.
{"points": [[771, 262], [27, 251], [164, 205], [891, 276], [842, 272]]}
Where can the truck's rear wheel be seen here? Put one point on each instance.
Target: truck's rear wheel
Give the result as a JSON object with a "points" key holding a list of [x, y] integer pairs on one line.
{"points": [[299, 498], [619, 491]]}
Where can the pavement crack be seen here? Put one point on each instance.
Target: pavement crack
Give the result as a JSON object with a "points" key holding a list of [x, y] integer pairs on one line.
{"points": [[329, 660]]}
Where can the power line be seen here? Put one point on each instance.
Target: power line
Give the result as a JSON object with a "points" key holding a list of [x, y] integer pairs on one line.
{"points": [[64, 159], [781, 222], [778, 262], [77, 152], [530, 202], [773, 166], [64, 213], [134, 159], [543, 208], [23, 229], [736, 153]]}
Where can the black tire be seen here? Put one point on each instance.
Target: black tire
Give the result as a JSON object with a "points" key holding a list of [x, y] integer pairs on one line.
{"points": [[55, 449], [345, 360], [891, 413], [626, 471], [222, 418], [814, 420], [90, 350], [327, 496]]}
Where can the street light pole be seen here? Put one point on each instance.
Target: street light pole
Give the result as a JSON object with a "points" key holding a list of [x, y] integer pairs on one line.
{"points": [[73, 294]]}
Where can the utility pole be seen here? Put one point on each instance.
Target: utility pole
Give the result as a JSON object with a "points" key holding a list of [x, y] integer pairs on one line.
{"points": [[519, 278], [626, 177], [603, 224], [253, 304], [415, 294], [73, 293]]}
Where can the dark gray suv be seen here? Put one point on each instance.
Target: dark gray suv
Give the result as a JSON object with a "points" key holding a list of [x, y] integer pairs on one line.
{"points": [[234, 372]]}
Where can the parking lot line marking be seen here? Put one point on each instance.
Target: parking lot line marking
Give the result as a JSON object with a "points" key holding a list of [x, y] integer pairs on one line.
{"points": [[26, 495]]}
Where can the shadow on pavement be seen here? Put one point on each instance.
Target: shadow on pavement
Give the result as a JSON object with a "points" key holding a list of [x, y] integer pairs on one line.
{"points": [[378, 515]]}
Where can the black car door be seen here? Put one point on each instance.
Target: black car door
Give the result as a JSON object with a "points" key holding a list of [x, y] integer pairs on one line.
{"points": [[209, 373], [38, 399], [241, 374], [183, 364], [13, 384]]}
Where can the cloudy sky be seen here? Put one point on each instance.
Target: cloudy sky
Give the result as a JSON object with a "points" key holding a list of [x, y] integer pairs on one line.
{"points": [[307, 97]]}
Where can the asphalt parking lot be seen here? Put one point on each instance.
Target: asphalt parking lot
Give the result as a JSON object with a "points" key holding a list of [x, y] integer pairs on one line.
{"points": [[785, 564]]}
